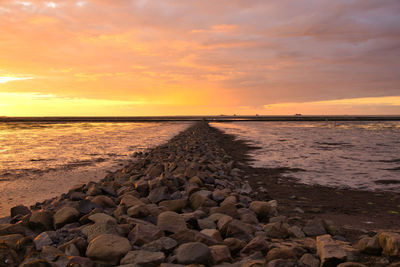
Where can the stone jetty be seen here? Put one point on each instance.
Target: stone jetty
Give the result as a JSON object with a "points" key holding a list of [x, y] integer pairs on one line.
{"points": [[183, 203]]}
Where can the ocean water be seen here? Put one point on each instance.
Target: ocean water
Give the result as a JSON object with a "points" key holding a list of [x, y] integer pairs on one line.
{"points": [[42, 160], [359, 155]]}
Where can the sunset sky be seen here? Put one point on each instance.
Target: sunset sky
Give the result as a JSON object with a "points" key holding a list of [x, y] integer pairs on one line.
{"points": [[199, 57]]}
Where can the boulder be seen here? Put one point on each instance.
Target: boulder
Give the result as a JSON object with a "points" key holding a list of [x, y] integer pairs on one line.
{"points": [[280, 253], [193, 252], [369, 245], [143, 258], [214, 233], [206, 223], [129, 200], [256, 244], [108, 248], [295, 231], [277, 229], [164, 244], [41, 220], [64, 216], [234, 244], [11, 240], [220, 253], [94, 230], [390, 243], [8, 229], [333, 252], [238, 229], [171, 221], [201, 199], [308, 260], [314, 227], [19, 210], [102, 218], [175, 205], [261, 208], [158, 194], [42, 240], [103, 201], [144, 233], [138, 211]]}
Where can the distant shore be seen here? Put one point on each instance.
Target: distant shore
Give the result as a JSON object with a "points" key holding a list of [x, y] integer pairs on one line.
{"points": [[220, 118]]}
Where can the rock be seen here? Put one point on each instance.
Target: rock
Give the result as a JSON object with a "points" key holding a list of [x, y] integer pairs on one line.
{"points": [[308, 260], [71, 250], [19, 210], [314, 227], [234, 244], [158, 194], [331, 228], [102, 218], [351, 264], [277, 229], [206, 223], [8, 229], [35, 262], [11, 240], [193, 252], [129, 200], [295, 231], [256, 244], [238, 229], [369, 245], [50, 253], [108, 248], [281, 263], [201, 199], [175, 205], [103, 201], [155, 170], [332, 252], [8, 256], [164, 244], [80, 261], [390, 243], [248, 216], [145, 233], [214, 233], [143, 258], [86, 206], [185, 236], [228, 209], [41, 220], [64, 216], [220, 253], [171, 221], [93, 189], [92, 231], [261, 208], [138, 211], [280, 253], [43, 239], [196, 180]]}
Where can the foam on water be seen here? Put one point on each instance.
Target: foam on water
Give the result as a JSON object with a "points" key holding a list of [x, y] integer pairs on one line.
{"points": [[360, 155]]}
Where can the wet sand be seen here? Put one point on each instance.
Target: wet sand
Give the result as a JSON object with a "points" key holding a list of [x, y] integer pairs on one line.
{"points": [[356, 211]]}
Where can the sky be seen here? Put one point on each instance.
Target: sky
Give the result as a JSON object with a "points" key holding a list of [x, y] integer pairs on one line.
{"points": [[191, 57]]}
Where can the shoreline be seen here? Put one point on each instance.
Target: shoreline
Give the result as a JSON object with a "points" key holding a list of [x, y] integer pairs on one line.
{"points": [[194, 199]]}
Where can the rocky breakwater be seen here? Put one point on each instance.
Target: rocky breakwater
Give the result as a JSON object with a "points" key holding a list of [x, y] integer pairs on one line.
{"points": [[182, 203]]}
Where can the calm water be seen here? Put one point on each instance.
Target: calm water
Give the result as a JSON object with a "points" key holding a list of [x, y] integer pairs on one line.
{"points": [[361, 155], [28, 149]]}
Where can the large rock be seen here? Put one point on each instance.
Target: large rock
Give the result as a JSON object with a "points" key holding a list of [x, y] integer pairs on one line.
{"points": [[175, 205], [129, 200], [143, 258], [234, 244], [214, 233], [94, 230], [64, 216], [201, 199], [193, 252], [171, 221], [103, 201], [238, 229], [102, 218], [19, 210], [261, 208], [8, 229], [41, 220], [390, 243], [164, 244], [220, 253], [108, 248], [277, 229], [369, 245], [256, 244], [332, 252], [308, 260], [158, 194], [145, 233], [138, 211], [42, 240], [314, 227], [11, 240], [280, 253]]}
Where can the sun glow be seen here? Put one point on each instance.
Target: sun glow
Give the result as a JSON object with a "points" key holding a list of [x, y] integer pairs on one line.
{"points": [[11, 79]]}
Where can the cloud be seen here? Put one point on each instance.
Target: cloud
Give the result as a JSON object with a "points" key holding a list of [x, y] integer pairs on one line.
{"points": [[12, 79], [256, 52]]}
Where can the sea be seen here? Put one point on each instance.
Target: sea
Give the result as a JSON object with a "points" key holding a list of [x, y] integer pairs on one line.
{"points": [[362, 155], [41, 160]]}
